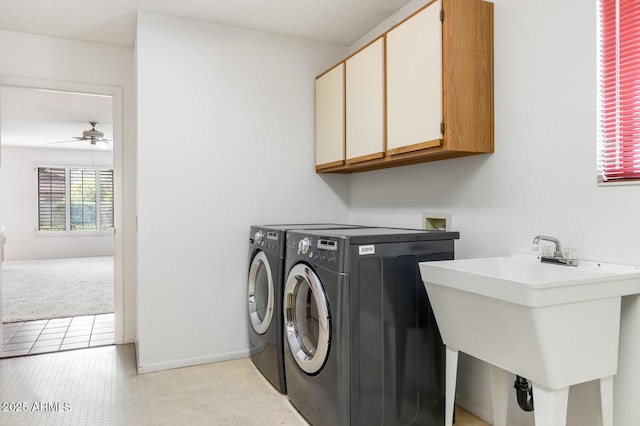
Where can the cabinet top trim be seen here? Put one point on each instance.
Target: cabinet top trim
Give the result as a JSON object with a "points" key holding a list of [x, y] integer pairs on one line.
{"points": [[330, 69], [384, 34], [411, 16]]}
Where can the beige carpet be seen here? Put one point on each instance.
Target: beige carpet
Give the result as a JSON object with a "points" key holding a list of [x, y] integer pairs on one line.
{"points": [[56, 288]]}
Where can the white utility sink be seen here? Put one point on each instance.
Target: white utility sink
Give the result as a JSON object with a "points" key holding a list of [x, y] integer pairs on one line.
{"points": [[556, 325]]}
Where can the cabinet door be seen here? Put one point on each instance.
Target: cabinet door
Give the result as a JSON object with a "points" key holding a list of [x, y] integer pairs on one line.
{"points": [[365, 103], [330, 118], [414, 82]]}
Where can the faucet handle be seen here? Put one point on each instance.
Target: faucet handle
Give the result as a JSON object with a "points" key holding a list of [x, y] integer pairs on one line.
{"points": [[569, 253]]}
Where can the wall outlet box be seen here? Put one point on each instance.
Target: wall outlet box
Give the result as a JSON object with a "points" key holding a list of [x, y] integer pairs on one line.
{"points": [[436, 221]]}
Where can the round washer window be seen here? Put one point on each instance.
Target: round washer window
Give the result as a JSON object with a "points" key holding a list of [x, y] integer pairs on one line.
{"points": [[261, 293], [306, 315]]}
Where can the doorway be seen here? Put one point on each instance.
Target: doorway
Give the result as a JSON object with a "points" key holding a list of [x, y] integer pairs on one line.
{"points": [[79, 131]]}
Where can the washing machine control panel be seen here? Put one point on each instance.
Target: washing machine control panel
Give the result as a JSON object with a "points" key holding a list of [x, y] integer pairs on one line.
{"points": [[325, 256], [322, 250], [326, 251], [328, 244], [270, 242], [304, 245]]}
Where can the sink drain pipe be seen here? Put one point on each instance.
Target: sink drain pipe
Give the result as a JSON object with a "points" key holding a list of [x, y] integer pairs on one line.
{"points": [[524, 393]]}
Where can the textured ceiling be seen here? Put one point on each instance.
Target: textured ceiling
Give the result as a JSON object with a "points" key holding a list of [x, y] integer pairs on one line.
{"points": [[44, 118], [113, 21]]}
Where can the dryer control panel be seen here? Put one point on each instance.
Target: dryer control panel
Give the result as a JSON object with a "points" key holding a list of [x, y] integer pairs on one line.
{"points": [[328, 244], [326, 251], [321, 250], [264, 239]]}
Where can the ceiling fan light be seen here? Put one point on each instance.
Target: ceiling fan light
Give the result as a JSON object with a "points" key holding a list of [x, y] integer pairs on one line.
{"points": [[90, 134]]}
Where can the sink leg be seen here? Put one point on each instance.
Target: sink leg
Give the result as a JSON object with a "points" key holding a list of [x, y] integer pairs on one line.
{"points": [[606, 399], [550, 405], [451, 367], [500, 387]]}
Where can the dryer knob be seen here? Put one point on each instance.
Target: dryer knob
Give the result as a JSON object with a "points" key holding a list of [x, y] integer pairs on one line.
{"points": [[259, 237], [303, 246]]}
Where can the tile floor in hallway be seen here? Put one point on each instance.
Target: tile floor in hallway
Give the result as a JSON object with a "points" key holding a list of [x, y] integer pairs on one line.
{"points": [[58, 334], [100, 386]]}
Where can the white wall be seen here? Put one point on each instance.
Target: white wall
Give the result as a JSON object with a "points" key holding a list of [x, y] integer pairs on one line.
{"points": [[225, 140], [48, 59], [540, 180], [225, 120], [19, 205]]}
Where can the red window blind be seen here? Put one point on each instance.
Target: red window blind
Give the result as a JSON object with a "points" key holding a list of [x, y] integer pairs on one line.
{"points": [[619, 86]]}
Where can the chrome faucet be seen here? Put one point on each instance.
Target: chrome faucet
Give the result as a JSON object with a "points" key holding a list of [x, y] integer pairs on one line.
{"points": [[558, 252], [557, 258]]}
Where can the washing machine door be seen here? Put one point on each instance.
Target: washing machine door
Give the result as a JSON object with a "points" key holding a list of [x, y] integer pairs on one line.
{"points": [[306, 316], [261, 293]]}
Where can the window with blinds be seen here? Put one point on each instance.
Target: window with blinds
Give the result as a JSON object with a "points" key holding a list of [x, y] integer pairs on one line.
{"points": [[52, 199], [619, 91], [75, 199], [83, 201], [106, 199]]}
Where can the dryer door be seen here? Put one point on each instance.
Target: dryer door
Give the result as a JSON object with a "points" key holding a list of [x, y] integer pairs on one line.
{"points": [[261, 293], [306, 316]]}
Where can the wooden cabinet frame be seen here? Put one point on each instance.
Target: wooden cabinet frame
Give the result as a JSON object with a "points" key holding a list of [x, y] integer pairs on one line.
{"points": [[467, 80]]}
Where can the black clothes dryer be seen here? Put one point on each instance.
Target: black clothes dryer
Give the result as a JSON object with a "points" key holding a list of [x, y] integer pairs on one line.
{"points": [[266, 273], [362, 345]]}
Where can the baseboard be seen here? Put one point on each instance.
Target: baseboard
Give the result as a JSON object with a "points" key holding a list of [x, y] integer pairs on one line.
{"points": [[127, 339], [189, 362]]}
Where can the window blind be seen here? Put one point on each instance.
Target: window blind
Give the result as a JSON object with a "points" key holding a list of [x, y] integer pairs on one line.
{"points": [[619, 87], [82, 194], [75, 198], [106, 199], [52, 199]]}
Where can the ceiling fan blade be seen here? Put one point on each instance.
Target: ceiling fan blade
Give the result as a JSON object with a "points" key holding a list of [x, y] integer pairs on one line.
{"points": [[93, 136], [56, 142], [104, 144]]}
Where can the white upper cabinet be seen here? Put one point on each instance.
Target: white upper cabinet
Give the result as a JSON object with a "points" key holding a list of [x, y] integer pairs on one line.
{"points": [[414, 82], [421, 92], [330, 126], [365, 136]]}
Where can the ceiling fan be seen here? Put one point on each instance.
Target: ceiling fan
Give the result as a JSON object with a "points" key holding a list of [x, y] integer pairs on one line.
{"points": [[96, 137]]}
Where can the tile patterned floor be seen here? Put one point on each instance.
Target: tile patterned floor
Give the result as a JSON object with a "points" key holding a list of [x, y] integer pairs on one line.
{"points": [[100, 387], [58, 334]]}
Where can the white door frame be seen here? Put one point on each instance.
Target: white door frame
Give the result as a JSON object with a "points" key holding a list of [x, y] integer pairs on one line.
{"points": [[116, 93]]}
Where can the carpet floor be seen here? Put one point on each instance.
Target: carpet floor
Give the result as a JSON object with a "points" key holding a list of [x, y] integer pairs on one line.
{"points": [[56, 288]]}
